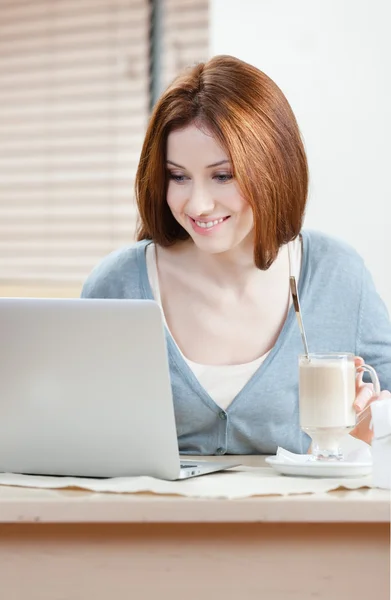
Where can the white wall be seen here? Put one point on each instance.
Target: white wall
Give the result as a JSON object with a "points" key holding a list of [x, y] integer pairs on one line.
{"points": [[332, 59]]}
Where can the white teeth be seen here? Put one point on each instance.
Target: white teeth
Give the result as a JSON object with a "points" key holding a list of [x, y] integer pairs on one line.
{"points": [[209, 223]]}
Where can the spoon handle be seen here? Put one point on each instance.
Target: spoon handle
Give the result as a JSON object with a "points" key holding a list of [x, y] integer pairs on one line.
{"points": [[296, 304]]}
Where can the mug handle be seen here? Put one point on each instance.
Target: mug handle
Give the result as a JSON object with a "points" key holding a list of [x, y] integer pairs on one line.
{"points": [[373, 376]]}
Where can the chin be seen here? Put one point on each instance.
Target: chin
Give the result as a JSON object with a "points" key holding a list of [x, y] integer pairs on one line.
{"points": [[213, 246]]}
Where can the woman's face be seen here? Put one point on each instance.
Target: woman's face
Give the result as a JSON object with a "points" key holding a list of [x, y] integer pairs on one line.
{"points": [[202, 194]]}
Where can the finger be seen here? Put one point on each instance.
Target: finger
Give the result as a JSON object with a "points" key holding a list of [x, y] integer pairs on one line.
{"points": [[358, 362], [384, 395], [366, 413], [359, 380], [363, 396]]}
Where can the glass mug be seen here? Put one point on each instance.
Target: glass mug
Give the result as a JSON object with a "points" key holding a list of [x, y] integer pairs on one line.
{"points": [[327, 391]]}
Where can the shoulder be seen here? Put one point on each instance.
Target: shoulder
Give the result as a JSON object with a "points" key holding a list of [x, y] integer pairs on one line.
{"points": [[117, 275], [333, 268], [330, 255]]}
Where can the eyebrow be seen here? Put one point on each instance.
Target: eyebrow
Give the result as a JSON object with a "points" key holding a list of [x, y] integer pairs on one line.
{"points": [[217, 164]]}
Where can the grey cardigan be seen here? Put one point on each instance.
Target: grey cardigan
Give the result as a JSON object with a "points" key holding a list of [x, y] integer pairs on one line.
{"points": [[342, 311]]}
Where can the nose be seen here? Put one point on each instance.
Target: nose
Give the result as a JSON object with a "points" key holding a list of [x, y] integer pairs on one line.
{"points": [[200, 202]]}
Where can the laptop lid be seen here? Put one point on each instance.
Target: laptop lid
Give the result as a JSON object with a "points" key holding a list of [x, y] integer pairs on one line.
{"points": [[85, 389]]}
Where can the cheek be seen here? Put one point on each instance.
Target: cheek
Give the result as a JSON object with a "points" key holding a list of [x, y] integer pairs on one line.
{"points": [[245, 213], [175, 197], [238, 204], [233, 199]]}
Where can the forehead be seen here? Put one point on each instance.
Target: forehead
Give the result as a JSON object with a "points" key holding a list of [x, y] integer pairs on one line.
{"points": [[192, 143]]}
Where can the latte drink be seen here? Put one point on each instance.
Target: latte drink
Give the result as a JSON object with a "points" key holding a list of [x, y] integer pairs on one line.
{"points": [[327, 393]]}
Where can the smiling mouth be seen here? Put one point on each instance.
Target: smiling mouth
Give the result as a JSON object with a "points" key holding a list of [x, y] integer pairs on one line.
{"points": [[209, 224]]}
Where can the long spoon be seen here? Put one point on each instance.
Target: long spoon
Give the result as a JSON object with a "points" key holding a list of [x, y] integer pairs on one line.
{"points": [[296, 303]]}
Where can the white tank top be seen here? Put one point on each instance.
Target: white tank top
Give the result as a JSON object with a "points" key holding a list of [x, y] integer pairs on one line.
{"points": [[222, 382]]}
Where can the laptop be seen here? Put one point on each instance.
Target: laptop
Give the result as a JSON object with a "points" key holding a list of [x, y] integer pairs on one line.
{"points": [[85, 391]]}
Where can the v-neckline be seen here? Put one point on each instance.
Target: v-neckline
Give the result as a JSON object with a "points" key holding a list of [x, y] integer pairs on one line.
{"points": [[175, 353]]}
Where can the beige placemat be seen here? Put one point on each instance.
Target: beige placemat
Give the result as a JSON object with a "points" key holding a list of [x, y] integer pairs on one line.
{"points": [[241, 482]]}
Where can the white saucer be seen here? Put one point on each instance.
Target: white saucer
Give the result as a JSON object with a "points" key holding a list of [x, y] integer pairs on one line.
{"points": [[320, 469]]}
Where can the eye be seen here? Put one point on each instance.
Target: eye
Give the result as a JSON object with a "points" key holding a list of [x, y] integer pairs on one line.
{"points": [[223, 177], [176, 177]]}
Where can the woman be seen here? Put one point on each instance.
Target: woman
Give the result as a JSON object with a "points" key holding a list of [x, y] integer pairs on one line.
{"points": [[221, 189]]}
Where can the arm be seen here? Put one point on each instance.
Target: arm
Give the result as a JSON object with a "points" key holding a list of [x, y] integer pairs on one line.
{"points": [[373, 341]]}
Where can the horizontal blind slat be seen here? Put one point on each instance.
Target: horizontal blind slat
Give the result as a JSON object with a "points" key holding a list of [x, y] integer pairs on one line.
{"points": [[186, 5], [71, 46], [76, 123], [66, 90], [62, 176], [80, 212], [75, 161], [50, 25], [24, 195], [28, 10], [50, 74], [48, 109], [99, 144], [66, 135]]}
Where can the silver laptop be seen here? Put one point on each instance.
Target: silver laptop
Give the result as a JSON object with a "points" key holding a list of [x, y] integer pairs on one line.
{"points": [[85, 391]]}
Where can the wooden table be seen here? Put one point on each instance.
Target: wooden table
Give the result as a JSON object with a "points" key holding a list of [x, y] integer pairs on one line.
{"points": [[71, 545]]}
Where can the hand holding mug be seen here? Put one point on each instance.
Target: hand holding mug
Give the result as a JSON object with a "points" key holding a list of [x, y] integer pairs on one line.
{"points": [[364, 397]]}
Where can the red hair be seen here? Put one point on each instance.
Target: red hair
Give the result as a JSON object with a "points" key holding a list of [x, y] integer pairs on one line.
{"points": [[250, 117]]}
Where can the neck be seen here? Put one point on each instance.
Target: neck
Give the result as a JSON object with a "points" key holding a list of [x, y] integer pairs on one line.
{"points": [[234, 269]]}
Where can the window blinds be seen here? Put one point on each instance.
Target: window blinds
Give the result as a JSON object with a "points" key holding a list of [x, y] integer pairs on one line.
{"points": [[73, 111], [74, 102]]}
